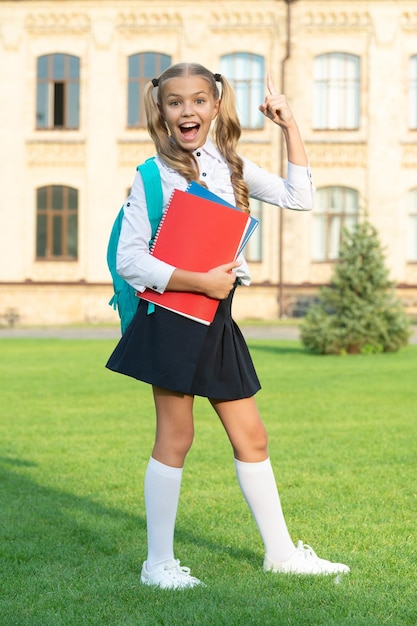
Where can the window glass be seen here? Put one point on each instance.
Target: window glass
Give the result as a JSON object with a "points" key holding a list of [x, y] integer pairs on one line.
{"points": [[72, 239], [73, 104], [245, 72], [336, 94], [56, 223], [41, 250], [43, 67], [336, 208], [133, 108], [59, 104], [41, 199], [57, 235], [58, 87], [72, 198], [58, 66], [133, 66], [141, 69], [74, 67], [57, 197], [412, 116], [42, 106]]}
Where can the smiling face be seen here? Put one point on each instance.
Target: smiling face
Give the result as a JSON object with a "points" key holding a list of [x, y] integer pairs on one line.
{"points": [[188, 108]]}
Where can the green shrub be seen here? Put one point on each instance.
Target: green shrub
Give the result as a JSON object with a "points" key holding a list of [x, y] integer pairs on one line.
{"points": [[359, 312]]}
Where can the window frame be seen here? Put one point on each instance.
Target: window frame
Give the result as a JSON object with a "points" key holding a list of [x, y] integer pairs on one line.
{"points": [[57, 223], [58, 92], [245, 71], [150, 65], [329, 222], [336, 96], [412, 93]]}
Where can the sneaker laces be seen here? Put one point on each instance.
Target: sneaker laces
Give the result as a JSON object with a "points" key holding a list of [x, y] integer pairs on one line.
{"points": [[306, 552], [179, 569]]}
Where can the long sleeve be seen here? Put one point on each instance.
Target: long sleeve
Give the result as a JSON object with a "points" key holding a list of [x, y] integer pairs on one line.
{"points": [[294, 192], [134, 263]]}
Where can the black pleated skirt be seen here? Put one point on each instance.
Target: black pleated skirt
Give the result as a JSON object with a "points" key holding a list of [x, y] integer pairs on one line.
{"points": [[182, 355]]}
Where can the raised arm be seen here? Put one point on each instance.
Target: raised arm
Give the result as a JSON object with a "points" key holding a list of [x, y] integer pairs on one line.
{"points": [[276, 108]]}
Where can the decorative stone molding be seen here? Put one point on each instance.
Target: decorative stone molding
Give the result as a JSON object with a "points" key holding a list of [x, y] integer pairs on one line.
{"points": [[337, 154], [102, 31], [134, 20], [337, 19], [409, 156], [58, 154], [408, 20], [50, 22], [247, 19]]}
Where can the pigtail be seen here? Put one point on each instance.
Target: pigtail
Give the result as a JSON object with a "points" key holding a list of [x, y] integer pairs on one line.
{"points": [[156, 126], [227, 132]]}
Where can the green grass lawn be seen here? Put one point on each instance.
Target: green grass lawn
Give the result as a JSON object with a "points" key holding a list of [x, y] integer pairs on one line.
{"points": [[74, 444]]}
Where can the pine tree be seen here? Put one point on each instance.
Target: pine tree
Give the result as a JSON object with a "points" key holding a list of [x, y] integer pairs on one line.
{"points": [[358, 312]]}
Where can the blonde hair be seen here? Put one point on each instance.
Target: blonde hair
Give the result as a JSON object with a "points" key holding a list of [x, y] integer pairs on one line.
{"points": [[226, 129]]}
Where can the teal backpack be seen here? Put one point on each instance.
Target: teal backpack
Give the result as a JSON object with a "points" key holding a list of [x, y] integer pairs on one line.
{"points": [[124, 298]]}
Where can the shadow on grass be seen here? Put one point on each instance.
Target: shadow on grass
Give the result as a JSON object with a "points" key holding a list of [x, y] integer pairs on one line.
{"points": [[56, 527], [67, 559], [7, 460]]}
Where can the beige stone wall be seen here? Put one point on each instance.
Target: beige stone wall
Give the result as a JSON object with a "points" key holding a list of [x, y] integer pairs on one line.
{"points": [[380, 159], [41, 304]]}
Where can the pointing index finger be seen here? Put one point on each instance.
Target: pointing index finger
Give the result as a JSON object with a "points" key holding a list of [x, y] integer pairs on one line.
{"points": [[270, 85]]}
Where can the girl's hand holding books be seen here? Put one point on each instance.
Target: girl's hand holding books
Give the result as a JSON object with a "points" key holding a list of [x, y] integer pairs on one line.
{"points": [[220, 280]]}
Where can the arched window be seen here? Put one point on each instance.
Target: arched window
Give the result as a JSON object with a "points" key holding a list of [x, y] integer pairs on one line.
{"points": [[412, 226], [57, 223], [58, 91], [141, 69], [245, 72], [412, 77], [335, 208], [336, 91]]}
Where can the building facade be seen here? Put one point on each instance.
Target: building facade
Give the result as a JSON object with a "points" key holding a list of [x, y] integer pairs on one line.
{"points": [[72, 131]]}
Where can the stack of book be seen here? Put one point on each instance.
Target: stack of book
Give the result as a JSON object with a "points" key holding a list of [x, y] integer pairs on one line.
{"points": [[198, 232]]}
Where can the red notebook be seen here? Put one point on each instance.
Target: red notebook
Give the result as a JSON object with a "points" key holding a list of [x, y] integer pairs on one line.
{"points": [[196, 234]]}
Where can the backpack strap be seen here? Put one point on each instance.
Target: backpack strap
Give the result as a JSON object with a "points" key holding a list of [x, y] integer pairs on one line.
{"points": [[124, 297], [153, 192]]}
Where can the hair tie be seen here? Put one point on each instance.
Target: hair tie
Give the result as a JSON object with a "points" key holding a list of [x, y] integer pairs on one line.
{"points": [[155, 82], [217, 77]]}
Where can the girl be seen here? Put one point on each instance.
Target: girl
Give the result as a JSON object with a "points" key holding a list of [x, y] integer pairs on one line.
{"points": [[182, 358]]}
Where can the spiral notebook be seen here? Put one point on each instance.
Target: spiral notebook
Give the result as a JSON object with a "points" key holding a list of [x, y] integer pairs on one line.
{"points": [[197, 234], [203, 192]]}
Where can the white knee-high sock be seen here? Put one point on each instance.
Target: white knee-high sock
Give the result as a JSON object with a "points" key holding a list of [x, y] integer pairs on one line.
{"points": [[259, 488], [162, 492]]}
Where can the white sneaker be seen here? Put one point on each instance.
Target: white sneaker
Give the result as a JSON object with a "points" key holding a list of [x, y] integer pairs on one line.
{"points": [[305, 561], [169, 575]]}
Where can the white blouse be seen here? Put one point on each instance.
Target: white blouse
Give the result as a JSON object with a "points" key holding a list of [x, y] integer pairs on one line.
{"points": [[141, 270]]}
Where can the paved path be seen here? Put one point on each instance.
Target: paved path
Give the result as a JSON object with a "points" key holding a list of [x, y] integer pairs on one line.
{"points": [[112, 332]]}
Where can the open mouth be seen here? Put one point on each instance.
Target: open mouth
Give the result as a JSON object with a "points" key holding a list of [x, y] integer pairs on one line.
{"points": [[189, 131]]}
